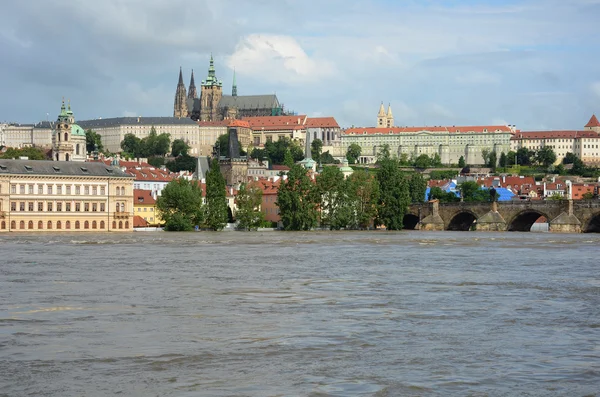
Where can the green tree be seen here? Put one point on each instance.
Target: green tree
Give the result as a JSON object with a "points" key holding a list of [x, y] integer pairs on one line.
{"points": [[259, 154], [131, 144], [404, 161], [93, 141], [384, 153], [472, 192], [297, 201], [492, 160], [511, 157], [316, 147], [180, 205], [248, 201], [179, 147], [216, 200], [587, 196], [525, 156], [288, 160], [327, 158], [156, 161], [181, 163], [364, 194], [503, 160], [353, 153], [442, 174], [436, 160], [569, 158], [222, 145], [32, 153], [334, 202], [423, 161], [545, 156], [417, 187], [394, 194], [276, 150], [461, 162], [485, 154], [436, 193]]}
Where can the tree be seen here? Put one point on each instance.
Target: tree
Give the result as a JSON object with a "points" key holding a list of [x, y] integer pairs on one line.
{"points": [[334, 201], [417, 187], [156, 161], [131, 144], [276, 150], [404, 161], [248, 201], [569, 158], [587, 196], [288, 160], [472, 192], [485, 154], [353, 153], [216, 201], [545, 156], [364, 195], [93, 141], [394, 196], [179, 147], [316, 146], [436, 193], [511, 157], [461, 162], [222, 145], [436, 160], [492, 160], [180, 205], [524, 156], [32, 153], [503, 160], [327, 158], [182, 163], [258, 154], [383, 153], [423, 161], [297, 201]]}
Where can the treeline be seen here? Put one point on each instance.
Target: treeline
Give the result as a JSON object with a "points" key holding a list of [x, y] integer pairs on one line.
{"points": [[33, 153]]}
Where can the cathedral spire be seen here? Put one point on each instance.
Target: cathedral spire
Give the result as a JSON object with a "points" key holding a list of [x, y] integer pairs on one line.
{"points": [[192, 92], [180, 107], [381, 110], [180, 77], [234, 87]]}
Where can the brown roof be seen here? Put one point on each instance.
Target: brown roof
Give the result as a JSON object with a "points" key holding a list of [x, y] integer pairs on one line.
{"points": [[138, 221], [276, 122], [570, 134], [141, 196], [453, 129], [321, 122], [593, 122], [238, 123], [151, 174]]}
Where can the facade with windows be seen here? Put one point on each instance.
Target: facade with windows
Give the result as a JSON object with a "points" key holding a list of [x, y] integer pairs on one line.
{"points": [[40, 196]]}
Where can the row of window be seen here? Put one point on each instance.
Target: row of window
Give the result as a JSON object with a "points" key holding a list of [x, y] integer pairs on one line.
{"points": [[67, 225], [58, 189], [145, 209], [59, 206]]}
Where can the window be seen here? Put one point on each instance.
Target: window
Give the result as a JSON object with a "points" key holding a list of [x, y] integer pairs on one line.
{"points": [[49, 226], [22, 225], [22, 189], [30, 206], [120, 224], [77, 207], [40, 225], [40, 189], [114, 224], [67, 224], [102, 190], [13, 189], [59, 189], [102, 207], [40, 206], [13, 205], [30, 190], [101, 224], [86, 225], [76, 224], [68, 189], [22, 206], [58, 225], [87, 190], [49, 207], [94, 207], [95, 190], [86, 207], [145, 209], [13, 225], [59, 206], [77, 189], [30, 225], [94, 225], [117, 207], [49, 189], [122, 207], [68, 207]]}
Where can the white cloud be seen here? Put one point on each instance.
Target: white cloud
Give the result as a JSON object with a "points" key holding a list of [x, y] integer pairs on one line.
{"points": [[280, 58]]}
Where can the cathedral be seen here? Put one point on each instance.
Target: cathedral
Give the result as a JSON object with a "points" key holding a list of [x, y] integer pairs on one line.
{"points": [[212, 105]]}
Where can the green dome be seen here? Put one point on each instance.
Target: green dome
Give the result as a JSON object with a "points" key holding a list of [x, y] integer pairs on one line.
{"points": [[77, 130]]}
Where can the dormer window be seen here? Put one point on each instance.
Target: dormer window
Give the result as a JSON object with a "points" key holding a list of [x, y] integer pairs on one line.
{"points": [[84, 170], [55, 168], [28, 168]]}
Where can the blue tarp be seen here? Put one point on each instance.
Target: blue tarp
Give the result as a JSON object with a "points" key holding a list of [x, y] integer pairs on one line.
{"points": [[503, 193]]}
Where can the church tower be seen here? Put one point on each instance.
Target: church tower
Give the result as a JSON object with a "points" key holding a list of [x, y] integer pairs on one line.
{"points": [[390, 117], [192, 92], [234, 87], [211, 92], [180, 108], [381, 117], [61, 147], [593, 124]]}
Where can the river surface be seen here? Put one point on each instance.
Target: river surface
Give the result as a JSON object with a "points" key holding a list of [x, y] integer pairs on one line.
{"points": [[300, 314]]}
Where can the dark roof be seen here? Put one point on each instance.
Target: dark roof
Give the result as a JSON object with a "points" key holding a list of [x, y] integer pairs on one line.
{"points": [[116, 121], [44, 124], [245, 102], [45, 167]]}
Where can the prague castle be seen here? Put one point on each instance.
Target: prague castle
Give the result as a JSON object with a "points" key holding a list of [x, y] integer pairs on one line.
{"points": [[212, 105]]}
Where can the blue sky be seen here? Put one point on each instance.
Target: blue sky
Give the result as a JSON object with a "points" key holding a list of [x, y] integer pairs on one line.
{"points": [[532, 63]]}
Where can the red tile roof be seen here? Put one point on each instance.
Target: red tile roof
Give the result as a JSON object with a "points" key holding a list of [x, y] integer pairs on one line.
{"points": [[569, 134], [138, 221], [150, 174], [593, 122], [238, 123], [281, 167], [321, 122], [270, 123], [141, 196], [453, 129]]}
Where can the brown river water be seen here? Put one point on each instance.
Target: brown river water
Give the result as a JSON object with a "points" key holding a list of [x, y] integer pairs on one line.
{"points": [[300, 314]]}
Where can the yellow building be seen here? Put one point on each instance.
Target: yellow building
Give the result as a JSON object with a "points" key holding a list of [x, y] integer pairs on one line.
{"points": [[64, 196], [144, 206]]}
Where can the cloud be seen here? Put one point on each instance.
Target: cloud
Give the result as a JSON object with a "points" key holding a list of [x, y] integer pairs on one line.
{"points": [[280, 58], [595, 87]]}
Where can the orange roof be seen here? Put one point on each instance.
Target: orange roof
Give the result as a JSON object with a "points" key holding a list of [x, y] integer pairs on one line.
{"points": [[453, 129], [276, 122], [238, 123], [138, 221], [593, 122], [569, 134], [143, 197], [267, 186], [321, 122], [150, 174]]}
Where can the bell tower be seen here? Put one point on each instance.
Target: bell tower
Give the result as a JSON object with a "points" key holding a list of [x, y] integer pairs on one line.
{"points": [[211, 91], [62, 148]]}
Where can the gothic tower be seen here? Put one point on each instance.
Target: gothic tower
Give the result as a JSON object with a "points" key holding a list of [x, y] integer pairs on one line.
{"points": [[381, 117], [180, 108], [390, 117], [210, 95], [192, 92], [234, 87]]}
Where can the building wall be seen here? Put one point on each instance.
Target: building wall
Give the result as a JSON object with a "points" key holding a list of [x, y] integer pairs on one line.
{"points": [[65, 203], [586, 148]]}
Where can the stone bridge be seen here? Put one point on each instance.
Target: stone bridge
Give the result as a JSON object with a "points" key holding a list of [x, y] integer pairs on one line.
{"points": [[566, 216]]}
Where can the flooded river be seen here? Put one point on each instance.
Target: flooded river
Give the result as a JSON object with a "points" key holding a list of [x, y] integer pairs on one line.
{"points": [[300, 314]]}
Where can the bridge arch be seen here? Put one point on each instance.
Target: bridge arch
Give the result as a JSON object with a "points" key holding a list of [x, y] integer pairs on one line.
{"points": [[592, 224], [523, 221], [410, 221], [462, 221]]}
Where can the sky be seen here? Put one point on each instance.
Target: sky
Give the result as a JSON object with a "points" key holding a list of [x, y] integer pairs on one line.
{"points": [[531, 63]]}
